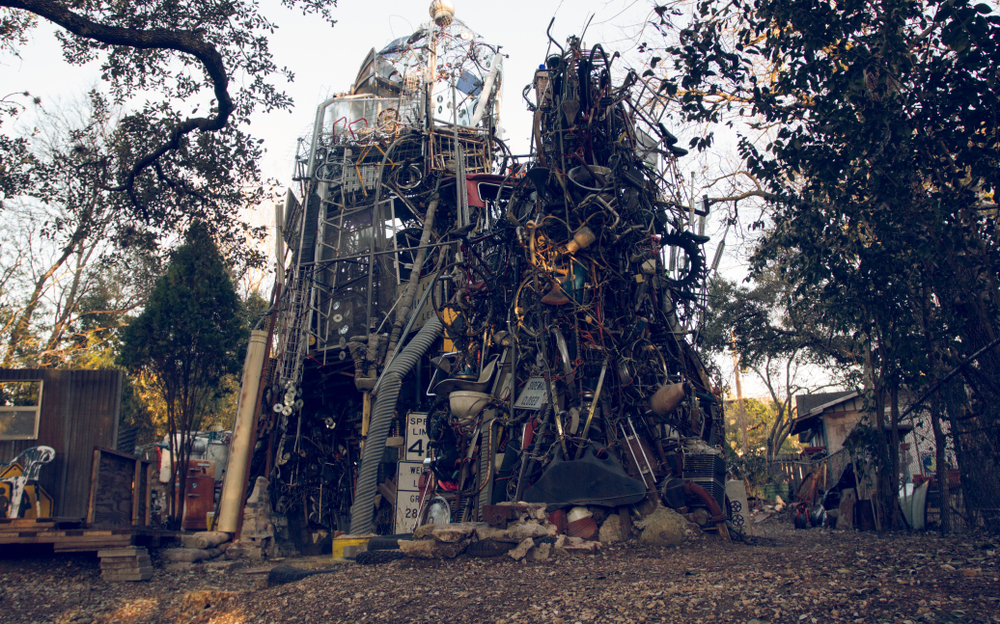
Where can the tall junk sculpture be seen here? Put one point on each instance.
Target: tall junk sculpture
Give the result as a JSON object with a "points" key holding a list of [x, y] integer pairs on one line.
{"points": [[459, 326]]}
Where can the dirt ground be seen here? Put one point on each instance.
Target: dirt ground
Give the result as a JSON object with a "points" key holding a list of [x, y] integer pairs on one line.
{"points": [[784, 575]]}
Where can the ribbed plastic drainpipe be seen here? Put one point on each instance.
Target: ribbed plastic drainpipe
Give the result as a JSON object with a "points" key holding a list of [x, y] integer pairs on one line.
{"points": [[381, 422]]}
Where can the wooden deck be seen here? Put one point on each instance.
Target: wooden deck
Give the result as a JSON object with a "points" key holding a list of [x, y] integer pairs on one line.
{"points": [[73, 535]]}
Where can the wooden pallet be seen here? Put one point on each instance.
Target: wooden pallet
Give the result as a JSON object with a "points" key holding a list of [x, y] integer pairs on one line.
{"points": [[71, 535], [39, 524]]}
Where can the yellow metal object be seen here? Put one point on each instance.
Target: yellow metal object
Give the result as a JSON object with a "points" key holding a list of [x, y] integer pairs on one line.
{"points": [[449, 318], [339, 543], [366, 416]]}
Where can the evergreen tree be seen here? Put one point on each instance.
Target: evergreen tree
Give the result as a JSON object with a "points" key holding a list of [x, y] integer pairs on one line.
{"points": [[187, 339]]}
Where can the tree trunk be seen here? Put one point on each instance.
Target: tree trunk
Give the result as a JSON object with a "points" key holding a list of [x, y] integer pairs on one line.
{"points": [[896, 519], [968, 298], [940, 459]]}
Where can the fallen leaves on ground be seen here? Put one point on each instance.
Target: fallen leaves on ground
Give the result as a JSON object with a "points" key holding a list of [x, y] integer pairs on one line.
{"points": [[784, 575]]}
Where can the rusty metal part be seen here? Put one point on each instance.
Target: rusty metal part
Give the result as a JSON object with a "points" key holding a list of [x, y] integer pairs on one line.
{"points": [[694, 489]]}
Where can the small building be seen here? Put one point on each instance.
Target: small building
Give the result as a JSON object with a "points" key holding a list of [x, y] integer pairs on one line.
{"points": [[72, 411], [827, 420]]}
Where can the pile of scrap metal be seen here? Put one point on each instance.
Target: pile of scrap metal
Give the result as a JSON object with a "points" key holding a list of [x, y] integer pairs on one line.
{"points": [[460, 327]]}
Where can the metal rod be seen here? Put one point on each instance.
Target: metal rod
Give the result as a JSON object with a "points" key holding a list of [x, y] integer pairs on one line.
{"points": [[645, 458], [381, 253], [593, 406]]}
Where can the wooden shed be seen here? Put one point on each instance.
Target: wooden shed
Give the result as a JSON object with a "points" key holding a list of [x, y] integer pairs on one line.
{"points": [[76, 411]]}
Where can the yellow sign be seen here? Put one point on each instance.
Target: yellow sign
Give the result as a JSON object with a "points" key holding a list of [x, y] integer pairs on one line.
{"points": [[39, 504]]}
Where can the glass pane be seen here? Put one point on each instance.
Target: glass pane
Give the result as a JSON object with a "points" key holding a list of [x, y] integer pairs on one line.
{"points": [[17, 425], [19, 393]]}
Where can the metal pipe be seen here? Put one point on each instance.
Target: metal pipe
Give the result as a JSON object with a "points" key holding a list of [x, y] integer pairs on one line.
{"points": [[406, 331], [403, 313], [382, 416], [713, 507]]}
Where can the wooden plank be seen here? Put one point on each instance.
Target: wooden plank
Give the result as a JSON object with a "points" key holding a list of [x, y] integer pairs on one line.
{"points": [[44, 538], [147, 498], [136, 474], [119, 455], [7, 523], [75, 547], [19, 528], [95, 469]]}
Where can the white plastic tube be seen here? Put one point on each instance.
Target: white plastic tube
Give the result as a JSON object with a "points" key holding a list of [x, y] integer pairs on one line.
{"points": [[241, 448], [484, 97]]}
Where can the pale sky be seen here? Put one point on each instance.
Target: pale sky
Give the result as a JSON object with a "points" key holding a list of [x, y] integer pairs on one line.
{"points": [[326, 60]]}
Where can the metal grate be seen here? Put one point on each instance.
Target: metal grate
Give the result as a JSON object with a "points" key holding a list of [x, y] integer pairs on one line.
{"points": [[477, 153], [708, 471]]}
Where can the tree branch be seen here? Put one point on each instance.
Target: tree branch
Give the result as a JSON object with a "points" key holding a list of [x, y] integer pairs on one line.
{"points": [[185, 41]]}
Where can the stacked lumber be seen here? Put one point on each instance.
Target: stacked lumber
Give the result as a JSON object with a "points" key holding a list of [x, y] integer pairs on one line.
{"points": [[125, 564], [65, 534]]}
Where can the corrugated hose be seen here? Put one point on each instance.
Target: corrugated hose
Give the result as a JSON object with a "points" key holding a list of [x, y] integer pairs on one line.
{"points": [[381, 422]]}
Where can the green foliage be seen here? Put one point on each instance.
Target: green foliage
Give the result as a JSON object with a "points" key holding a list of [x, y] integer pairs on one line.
{"points": [[186, 339], [135, 412], [773, 338], [882, 159], [767, 320], [761, 415], [192, 323], [751, 469], [184, 57], [71, 267]]}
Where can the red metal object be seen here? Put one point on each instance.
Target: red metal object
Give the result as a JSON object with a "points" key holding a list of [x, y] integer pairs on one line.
{"points": [[472, 183]]}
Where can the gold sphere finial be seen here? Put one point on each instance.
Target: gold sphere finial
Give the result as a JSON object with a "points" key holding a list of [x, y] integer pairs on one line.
{"points": [[443, 11]]}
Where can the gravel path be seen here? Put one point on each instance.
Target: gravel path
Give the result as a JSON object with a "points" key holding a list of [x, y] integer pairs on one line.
{"points": [[799, 577]]}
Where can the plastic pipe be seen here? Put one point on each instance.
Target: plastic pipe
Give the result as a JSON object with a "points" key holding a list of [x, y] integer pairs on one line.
{"points": [[487, 89], [241, 448], [381, 422]]}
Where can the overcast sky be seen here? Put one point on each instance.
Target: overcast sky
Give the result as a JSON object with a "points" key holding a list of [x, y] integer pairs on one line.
{"points": [[326, 60]]}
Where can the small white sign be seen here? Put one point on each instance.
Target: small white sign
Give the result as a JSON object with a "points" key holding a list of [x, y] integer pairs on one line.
{"points": [[532, 397], [408, 476], [736, 492], [407, 509], [416, 437]]}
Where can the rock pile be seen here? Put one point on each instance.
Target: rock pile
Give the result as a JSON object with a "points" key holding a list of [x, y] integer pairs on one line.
{"points": [[527, 531], [261, 526]]}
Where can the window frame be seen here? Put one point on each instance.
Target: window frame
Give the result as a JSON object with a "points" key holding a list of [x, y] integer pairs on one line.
{"points": [[37, 409]]}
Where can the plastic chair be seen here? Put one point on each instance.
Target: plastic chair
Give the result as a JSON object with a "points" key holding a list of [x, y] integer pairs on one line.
{"points": [[31, 461]]}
